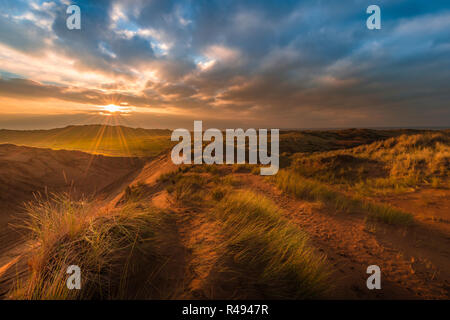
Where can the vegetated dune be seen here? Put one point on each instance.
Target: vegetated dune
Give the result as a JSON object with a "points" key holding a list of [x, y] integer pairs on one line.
{"points": [[416, 159], [98, 139], [408, 174], [316, 140], [225, 232], [125, 141], [410, 171], [27, 171]]}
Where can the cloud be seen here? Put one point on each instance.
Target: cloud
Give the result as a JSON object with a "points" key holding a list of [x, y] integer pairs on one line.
{"points": [[285, 64], [28, 89], [22, 34]]}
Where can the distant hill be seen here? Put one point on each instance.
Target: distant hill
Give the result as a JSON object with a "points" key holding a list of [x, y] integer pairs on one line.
{"points": [[399, 162], [317, 140], [24, 170], [120, 141], [97, 139]]}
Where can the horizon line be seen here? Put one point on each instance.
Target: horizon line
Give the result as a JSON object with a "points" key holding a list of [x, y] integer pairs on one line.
{"points": [[280, 128]]}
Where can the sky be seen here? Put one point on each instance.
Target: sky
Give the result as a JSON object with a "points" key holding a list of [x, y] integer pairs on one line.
{"points": [[263, 64]]}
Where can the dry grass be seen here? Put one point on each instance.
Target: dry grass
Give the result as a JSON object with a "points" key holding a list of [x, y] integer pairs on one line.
{"points": [[187, 189], [416, 158], [269, 252], [261, 252], [103, 244], [315, 191], [396, 165], [243, 168]]}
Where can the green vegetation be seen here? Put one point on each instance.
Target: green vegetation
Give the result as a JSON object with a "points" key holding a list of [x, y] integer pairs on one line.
{"points": [[186, 185], [187, 189], [260, 251], [134, 193], [111, 248], [268, 251], [311, 190], [318, 141], [97, 139], [231, 181], [395, 165], [123, 252], [124, 141]]}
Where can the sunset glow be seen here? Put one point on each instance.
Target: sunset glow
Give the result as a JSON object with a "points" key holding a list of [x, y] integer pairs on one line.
{"points": [[231, 153], [111, 109], [251, 64]]}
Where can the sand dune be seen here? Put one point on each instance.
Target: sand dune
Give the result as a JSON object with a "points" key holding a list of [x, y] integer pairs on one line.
{"points": [[25, 171], [193, 255]]}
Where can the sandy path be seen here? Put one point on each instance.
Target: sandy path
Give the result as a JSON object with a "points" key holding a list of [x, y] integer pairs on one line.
{"points": [[351, 246], [349, 243], [200, 237]]}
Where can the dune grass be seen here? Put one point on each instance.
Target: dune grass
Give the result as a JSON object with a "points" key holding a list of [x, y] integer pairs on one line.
{"points": [[392, 166], [187, 189], [103, 244], [261, 253], [311, 190], [270, 253]]}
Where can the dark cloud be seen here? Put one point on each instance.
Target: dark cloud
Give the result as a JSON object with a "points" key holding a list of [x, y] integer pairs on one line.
{"points": [[276, 63], [22, 88], [24, 36]]}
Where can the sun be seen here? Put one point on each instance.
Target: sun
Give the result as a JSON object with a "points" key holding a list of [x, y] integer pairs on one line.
{"points": [[113, 109]]}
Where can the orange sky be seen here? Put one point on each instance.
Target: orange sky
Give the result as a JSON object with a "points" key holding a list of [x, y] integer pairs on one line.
{"points": [[255, 64]]}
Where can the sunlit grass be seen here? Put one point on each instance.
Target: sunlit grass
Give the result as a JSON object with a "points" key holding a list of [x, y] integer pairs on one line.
{"points": [[395, 165], [308, 189], [108, 139], [271, 254], [103, 244]]}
